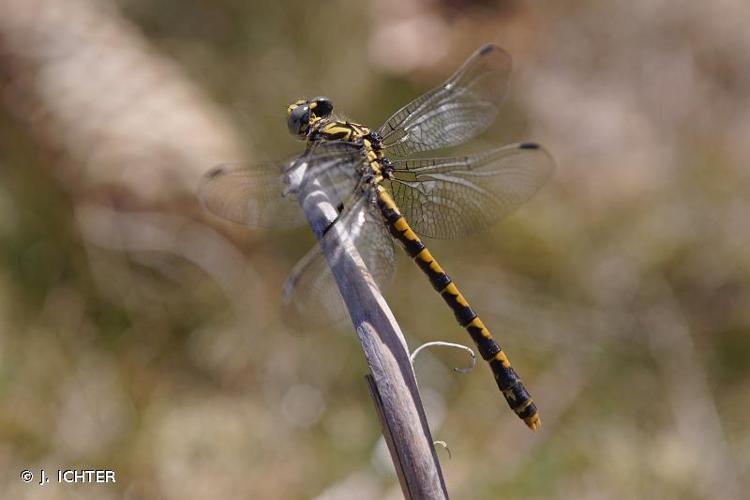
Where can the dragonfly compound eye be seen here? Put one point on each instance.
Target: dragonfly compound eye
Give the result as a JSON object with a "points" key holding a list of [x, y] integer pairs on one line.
{"points": [[299, 119], [322, 107]]}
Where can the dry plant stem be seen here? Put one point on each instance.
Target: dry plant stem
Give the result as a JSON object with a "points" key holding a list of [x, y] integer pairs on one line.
{"points": [[392, 383]]}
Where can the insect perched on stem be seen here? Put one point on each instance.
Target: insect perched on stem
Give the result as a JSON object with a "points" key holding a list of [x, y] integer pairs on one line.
{"points": [[382, 194]]}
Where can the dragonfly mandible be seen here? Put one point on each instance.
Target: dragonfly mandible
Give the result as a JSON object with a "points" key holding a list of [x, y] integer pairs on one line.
{"points": [[383, 195]]}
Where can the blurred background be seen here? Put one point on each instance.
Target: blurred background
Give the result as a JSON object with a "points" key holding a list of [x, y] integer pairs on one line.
{"points": [[140, 334]]}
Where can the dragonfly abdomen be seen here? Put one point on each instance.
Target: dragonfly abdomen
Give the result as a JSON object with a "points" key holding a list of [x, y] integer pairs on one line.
{"points": [[507, 379]]}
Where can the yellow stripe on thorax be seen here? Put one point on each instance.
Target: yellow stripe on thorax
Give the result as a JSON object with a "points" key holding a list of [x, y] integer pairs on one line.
{"points": [[336, 128]]}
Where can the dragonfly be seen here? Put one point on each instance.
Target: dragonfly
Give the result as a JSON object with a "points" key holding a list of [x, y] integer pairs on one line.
{"points": [[385, 190]]}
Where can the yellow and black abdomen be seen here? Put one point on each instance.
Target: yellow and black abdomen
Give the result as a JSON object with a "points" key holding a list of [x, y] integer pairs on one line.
{"points": [[506, 377]]}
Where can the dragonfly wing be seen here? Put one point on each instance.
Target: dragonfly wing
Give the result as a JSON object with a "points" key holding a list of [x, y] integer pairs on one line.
{"points": [[461, 108], [250, 195], [311, 296], [335, 167], [453, 197], [253, 194]]}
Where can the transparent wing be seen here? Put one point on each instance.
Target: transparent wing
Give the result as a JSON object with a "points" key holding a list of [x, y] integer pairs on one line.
{"points": [[253, 194], [311, 296], [453, 197], [250, 194], [461, 108]]}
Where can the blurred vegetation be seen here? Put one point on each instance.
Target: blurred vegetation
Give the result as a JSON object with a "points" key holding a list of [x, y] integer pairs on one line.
{"points": [[139, 334]]}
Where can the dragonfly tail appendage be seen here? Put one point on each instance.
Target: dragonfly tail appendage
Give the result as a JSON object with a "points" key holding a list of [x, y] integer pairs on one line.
{"points": [[507, 379]]}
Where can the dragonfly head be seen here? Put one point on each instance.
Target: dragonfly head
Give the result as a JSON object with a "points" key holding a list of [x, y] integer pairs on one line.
{"points": [[303, 113]]}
